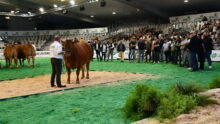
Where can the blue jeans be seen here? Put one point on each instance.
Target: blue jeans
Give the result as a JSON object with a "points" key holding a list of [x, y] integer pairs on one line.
{"points": [[194, 62], [132, 55], [141, 56], [208, 57]]}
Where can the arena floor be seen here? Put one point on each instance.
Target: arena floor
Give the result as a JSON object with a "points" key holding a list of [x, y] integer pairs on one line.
{"points": [[98, 104]]}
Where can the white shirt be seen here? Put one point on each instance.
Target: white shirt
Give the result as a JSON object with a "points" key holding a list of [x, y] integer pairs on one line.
{"points": [[55, 49], [166, 46]]}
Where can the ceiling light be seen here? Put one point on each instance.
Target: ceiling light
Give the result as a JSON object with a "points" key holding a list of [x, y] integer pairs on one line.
{"points": [[113, 13], [62, 0], [92, 16], [7, 17], [41, 9], [55, 5], [138, 10], [186, 1], [72, 2]]}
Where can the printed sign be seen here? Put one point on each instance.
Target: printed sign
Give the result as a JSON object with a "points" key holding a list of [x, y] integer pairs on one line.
{"points": [[215, 55]]}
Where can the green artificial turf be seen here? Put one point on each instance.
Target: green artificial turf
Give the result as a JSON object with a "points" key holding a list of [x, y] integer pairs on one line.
{"points": [[99, 104]]}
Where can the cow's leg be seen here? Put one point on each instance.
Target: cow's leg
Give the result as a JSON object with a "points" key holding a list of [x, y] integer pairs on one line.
{"points": [[83, 73], [16, 61], [33, 61], [28, 59], [77, 75], [68, 73], [87, 69], [10, 62]]}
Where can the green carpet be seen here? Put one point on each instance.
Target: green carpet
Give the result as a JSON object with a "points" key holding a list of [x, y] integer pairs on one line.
{"points": [[97, 104]]}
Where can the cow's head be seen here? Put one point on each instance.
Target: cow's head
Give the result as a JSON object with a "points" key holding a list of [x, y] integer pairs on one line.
{"points": [[67, 46]]}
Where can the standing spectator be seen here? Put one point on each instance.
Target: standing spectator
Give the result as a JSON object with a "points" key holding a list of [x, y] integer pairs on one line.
{"points": [[129, 53], [156, 50], [174, 55], [185, 52], [97, 49], [193, 48], [208, 43], [201, 52], [56, 56], [104, 50], [110, 50], [121, 49], [148, 47], [141, 49], [178, 50], [161, 50], [132, 49], [167, 50]]}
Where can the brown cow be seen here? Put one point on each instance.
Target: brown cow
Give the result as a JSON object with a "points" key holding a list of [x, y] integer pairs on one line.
{"points": [[25, 52], [77, 54], [20, 53], [29, 51], [10, 53]]}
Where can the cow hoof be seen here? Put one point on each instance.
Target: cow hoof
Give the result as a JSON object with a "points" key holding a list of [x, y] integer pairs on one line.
{"points": [[87, 77], [77, 82], [68, 82], [82, 77]]}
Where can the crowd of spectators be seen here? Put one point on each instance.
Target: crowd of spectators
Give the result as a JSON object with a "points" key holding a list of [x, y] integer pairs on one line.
{"points": [[188, 49]]}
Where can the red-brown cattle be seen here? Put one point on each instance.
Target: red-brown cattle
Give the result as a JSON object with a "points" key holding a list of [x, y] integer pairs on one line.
{"points": [[77, 54], [27, 51], [10, 53]]}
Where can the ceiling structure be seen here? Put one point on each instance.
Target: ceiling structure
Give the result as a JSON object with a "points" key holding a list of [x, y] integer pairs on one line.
{"points": [[94, 15]]}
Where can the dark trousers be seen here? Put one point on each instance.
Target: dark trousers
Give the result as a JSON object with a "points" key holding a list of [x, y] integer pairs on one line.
{"points": [[129, 55], [179, 57], [148, 55], [98, 55], [56, 71], [103, 56], [156, 56], [201, 58], [132, 54], [194, 62], [174, 55], [110, 53], [167, 56], [141, 56], [208, 57]]}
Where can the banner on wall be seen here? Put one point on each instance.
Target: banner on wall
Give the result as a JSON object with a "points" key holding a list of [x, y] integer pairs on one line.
{"points": [[215, 55], [54, 32]]}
